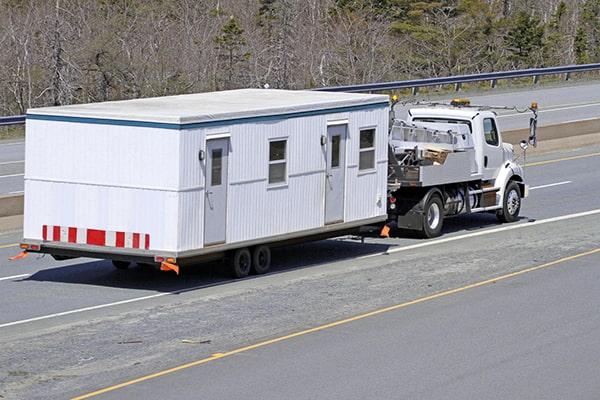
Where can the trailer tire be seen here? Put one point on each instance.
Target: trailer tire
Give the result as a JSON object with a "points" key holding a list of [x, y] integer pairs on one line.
{"points": [[433, 217], [511, 203], [240, 263], [261, 259], [120, 264]]}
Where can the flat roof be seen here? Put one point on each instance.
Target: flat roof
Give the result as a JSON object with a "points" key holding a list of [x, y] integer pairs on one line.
{"points": [[211, 107]]}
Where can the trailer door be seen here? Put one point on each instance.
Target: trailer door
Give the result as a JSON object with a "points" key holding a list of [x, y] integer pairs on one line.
{"points": [[335, 173], [215, 204]]}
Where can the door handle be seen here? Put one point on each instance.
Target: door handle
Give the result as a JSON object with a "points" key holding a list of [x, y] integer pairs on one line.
{"points": [[208, 192], [485, 161]]}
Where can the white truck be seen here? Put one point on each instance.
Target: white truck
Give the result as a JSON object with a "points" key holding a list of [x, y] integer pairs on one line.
{"points": [[184, 179], [448, 160]]}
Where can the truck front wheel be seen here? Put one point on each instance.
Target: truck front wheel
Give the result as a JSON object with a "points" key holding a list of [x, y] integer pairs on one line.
{"points": [[511, 204], [433, 217]]}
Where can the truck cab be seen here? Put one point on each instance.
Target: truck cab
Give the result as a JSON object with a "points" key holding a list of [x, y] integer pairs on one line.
{"points": [[450, 160]]}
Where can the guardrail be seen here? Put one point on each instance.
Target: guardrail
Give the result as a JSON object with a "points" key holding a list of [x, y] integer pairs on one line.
{"points": [[14, 120], [493, 77], [415, 84]]}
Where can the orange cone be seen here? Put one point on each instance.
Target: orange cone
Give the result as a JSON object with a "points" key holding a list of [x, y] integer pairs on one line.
{"points": [[165, 266], [19, 256], [385, 231]]}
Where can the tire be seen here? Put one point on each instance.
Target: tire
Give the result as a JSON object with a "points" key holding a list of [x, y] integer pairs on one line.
{"points": [[433, 217], [261, 260], [120, 264], [240, 263], [511, 203]]}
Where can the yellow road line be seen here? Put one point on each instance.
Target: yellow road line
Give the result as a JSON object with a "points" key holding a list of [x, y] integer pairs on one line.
{"points": [[6, 246], [561, 159], [217, 356]]}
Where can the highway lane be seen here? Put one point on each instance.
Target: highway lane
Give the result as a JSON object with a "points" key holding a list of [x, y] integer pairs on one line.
{"points": [[78, 284], [574, 102], [102, 344], [12, 155], [535, 335]]}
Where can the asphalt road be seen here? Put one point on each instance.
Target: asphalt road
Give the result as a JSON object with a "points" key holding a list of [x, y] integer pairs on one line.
{"points": [[89, 326], [569, 102]]}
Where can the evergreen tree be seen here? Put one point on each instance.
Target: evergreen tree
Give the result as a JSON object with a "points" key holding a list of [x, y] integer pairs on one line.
{"points": [[230, 43], [525, 40]]}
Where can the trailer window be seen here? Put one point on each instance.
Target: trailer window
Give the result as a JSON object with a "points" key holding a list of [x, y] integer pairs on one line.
{"points": [[335, 151], [367, 149], [216, 167], [490, 131], [277, 161]]}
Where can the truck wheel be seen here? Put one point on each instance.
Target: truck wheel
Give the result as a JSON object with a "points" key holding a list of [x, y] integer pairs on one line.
{"points": [[511, 204], [261, 259], [240, 263], [433, 217], [120, 264]]}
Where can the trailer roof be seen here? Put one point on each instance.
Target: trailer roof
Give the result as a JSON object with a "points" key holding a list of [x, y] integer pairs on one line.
{"points": [[202, 108]]}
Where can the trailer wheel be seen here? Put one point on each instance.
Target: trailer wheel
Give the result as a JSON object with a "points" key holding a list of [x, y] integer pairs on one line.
{"points": [[240, 263], [261, 259], [511, 204], [433, 217], [120, 264]]}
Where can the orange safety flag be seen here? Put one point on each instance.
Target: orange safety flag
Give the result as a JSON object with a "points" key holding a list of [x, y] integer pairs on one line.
{"points": [[385, 231], [165, 266], [19, 256]]}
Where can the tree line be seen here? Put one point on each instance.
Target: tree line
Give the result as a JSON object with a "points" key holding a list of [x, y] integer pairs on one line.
{"points": [[57, 52]]}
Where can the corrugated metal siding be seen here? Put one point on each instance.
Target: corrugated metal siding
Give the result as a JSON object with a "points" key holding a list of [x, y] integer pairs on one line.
{"points": [[102, 154], [102, 177], [102, 207]]}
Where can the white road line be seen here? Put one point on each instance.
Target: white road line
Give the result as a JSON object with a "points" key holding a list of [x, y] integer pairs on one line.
{"points": [[390, 251], [22, 191], [10, 176], [550, 185], [11, 144], [12, 162], [6, 278], [552, 109]]}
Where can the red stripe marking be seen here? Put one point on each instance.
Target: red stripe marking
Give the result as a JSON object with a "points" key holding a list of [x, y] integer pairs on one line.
{"points": [[136, 241], [56, 234], [45, 232], [120, 241], [147, 240], [96, 237], [72, 235]]}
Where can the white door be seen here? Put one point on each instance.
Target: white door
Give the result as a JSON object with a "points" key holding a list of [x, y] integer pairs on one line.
{"points": [[335, 173], [215, 202], [493, 156]]}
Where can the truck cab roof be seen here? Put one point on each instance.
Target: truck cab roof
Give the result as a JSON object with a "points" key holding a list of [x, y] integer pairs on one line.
{"points": [[466, 113]]}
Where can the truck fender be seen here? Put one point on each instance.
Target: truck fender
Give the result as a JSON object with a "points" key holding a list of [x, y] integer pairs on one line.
{"points": [[413, 218], [510, 171]]}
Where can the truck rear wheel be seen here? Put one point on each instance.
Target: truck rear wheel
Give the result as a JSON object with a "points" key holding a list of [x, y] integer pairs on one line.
{"points": [[511, 203], [261, 259], [120, 264], [433, 217], [240, 263]]}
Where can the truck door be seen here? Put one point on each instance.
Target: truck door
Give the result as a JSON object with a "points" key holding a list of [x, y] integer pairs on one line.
{"points": [[335, 173], [215, 201], [493, 156]]}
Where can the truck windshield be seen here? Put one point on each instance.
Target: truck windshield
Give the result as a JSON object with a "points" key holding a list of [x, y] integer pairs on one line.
{"points": [[444, 121]]}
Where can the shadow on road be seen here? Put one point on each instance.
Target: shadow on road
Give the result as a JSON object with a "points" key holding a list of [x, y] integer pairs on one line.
{"points": [[140, 277]]}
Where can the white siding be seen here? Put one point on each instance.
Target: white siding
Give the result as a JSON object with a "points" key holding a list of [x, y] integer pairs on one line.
{"points": [[106, 177], [150, 180]]}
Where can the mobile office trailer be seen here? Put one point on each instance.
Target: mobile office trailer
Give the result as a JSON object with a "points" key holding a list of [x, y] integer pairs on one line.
{"points": [[181, 178]]}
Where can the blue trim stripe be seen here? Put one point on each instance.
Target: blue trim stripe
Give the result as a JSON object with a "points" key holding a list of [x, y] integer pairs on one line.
{"points": [[235, 121]]}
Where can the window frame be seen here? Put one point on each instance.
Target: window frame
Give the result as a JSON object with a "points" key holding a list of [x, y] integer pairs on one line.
{"points": [[495, 127], [373, 149], [283, 161]]}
